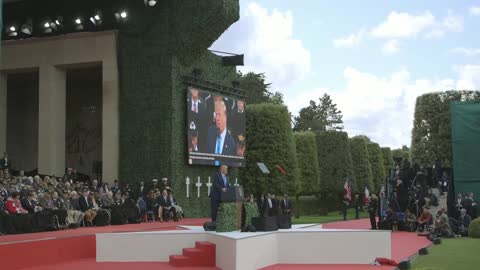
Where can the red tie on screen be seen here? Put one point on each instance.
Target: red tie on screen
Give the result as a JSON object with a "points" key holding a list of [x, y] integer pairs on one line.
{"points": [[195, 107]]}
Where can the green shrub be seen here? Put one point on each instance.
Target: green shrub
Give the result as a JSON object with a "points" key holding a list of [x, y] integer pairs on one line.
{"points": [[335, 163], [361, 163], [307, 157], [227, 217], [474, 228], [376, 163], [269, 140], [387, 159], [251, 211]]}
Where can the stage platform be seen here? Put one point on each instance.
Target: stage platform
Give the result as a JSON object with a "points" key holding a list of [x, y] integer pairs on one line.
{"points": [[324, 246]]}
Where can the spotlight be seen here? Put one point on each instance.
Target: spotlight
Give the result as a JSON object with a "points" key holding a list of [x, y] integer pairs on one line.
{"points": [[57, 22], [78, 24], [97, 18], [27, 28], [121, 15], [46, 25], [11, 31], [78, 21], [150, 3]]}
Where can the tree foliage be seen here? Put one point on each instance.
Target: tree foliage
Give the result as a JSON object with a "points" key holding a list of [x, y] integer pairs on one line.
{"points": [[257, 90], [322, 117], [361, 163], [270, 140], [376, 163], [431, 134], [335, 163], [401, 155], [388, 162], [307, 157]]}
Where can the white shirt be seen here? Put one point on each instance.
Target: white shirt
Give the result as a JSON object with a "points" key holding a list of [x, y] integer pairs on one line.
{"points": [[196, 104], [222, 141]]}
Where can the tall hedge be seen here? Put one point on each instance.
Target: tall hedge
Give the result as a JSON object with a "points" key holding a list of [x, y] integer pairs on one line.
{"points": [[376, 163], [431, 134], [307, 157], [270, 140], [388, 162], [361, 163], [335, 163]]}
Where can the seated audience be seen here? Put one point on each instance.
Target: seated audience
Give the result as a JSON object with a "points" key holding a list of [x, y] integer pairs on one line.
{"points": [[87, 207], [14, 206], [410, 221], [425, 220], [168, 211]]}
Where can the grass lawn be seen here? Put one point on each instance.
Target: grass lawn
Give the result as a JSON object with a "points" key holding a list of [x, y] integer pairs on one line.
{"points": [[456, 254], [332, 216]]}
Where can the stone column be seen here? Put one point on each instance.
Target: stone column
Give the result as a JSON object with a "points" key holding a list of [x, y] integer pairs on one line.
{"points": [[110, 122], [3, 113], [51, 120]]}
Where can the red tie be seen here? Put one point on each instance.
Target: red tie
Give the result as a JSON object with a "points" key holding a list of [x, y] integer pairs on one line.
{"points": [[195, 107]]}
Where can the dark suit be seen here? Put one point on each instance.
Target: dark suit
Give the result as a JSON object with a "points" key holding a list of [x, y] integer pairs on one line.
{"points": [[286, 206], [216, 193], [229, 146], [84, 204], [5, 164], [165, 203]]}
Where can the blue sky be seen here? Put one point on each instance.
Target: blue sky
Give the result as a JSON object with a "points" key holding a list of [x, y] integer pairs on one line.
{"points": [[373, 57]]}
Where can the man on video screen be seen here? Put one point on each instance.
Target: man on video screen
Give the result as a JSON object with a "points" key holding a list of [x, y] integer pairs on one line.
{"points": [[220, 141]]}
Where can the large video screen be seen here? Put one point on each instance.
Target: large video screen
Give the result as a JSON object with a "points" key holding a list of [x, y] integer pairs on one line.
{"points": [[216, 129]]}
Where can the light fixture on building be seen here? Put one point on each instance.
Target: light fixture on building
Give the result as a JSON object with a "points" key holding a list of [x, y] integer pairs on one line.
{"points": [[121, 15], [96, 19], [49, 26], [11, 31], [27, 28], [78, 24], [150, 3]]}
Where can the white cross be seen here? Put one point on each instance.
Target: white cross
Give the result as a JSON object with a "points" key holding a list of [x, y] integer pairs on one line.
{"points": [[187, 182], [198, 184], [236, 182], [209, 185]]}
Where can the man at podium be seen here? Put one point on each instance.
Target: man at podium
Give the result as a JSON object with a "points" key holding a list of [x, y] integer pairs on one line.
{"points": [[220, 184]]}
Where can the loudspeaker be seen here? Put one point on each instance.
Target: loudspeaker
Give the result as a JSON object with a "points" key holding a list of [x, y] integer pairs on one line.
{"points": [[265, 224], [209, 226], [251, 228], [404, 265], [284, 221], [437, 241], [423, 251]]}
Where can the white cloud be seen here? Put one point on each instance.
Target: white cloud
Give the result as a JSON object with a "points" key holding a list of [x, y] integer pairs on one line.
{"points": [[468, 77], [349, 41], [403, 25], [266, 38], [466, 51], [474, 10], [391, 47], [383, 107]]}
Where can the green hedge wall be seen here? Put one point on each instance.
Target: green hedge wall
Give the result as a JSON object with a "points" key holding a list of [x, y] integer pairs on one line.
{"points": [[251, 211], [376, 162], [361, 164], [269, 140], [431, 134], [335, 162], [388, 162], [155, 49], [307, 158]]}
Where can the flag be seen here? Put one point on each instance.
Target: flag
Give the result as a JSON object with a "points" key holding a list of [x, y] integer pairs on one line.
{"points": [[367, 195], [348, 190], [281, 169]]}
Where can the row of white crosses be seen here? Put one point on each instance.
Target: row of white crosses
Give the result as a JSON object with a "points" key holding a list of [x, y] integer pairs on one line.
{"points": [[200, 184]]}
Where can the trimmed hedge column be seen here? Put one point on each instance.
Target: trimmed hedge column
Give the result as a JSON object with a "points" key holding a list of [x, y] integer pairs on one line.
{"points": [[269, 140], [307, 158], [361, 163], [376, 162]]}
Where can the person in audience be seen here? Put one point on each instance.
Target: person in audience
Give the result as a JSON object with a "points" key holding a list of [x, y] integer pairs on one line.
{"points": [[115, 188], [30, 204], [2, 204], [118, 198], [68, 176], [472, 210], [5, 163], [74, 215], [372, 210], [465, 220], [285, 205], [14, 206], [165, 185], [410, 221], [168, 211], [178, 208], [442, 224], [357, 204], [432, 199], [425, 220], [95, 187], [87, 208], [345, 204]]}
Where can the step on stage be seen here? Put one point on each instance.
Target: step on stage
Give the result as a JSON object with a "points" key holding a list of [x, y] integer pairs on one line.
{"points": [[192, 246]]}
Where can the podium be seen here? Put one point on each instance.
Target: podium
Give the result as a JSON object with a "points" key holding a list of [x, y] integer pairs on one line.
{"points": [[230, 211], [233, 194]]}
